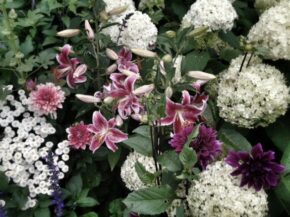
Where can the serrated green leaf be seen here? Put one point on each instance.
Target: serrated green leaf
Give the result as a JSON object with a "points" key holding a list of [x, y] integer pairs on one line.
{"points": [[113, 158], [150, 201], [145, 176], [87, 202], [27, 46], [170, 160]]}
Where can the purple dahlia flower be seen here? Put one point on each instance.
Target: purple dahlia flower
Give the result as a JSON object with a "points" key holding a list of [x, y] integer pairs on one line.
{"points": [[256, 168], [206, 145]]}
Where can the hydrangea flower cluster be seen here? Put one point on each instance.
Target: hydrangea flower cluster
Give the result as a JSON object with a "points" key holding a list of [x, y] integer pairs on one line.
{"points": [[113, 4], [207, 13], [129, 174], [216, 193], [272, 32], [46, 99], [254, 97], [24, 148], [135, 30]]}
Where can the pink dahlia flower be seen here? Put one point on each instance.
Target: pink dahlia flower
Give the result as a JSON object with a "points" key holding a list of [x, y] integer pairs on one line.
{"points": [[105, 132], [46, 99], [79, 136], [206, 145], [186, 113], [70, 68]]}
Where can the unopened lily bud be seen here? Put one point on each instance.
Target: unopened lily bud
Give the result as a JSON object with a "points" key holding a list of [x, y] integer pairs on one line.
{"points": [[167, 58], [248, 47], [201, 75], [145, 89], [169, 92], [108, 100], [198, 32], [88, 98], [119, 121], [111, 69], [117, 11], [143, 53], [104, 16], [89, 30], [68, 33], [144, 119], [112, 54], [129, 73], [170, 34]]}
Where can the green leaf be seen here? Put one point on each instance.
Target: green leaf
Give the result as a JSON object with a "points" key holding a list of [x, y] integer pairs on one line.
{"points": [[188, 157], [27, 46], [195, 61], [71, 214], [145, 176], [234, 140], [143, 130], [283, 192], [170, 160], [113, 158], [140, 144], [193, 135], [180, 211], [286, 158], [150, 201], [42, 212], [90, 214], [74, 185], [87, 202], [230, 38], [279, 134]]}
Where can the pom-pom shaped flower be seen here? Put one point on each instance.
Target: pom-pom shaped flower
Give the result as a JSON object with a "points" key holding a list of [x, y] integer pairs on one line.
{"points": [[216, 193], [186, 113], [129, 174], [105, 132], [70, 68], [207, 13], [206, 145], [254, 97], [135, 30], [273, 32], [46, 99], [257, 168], [79, 136]]}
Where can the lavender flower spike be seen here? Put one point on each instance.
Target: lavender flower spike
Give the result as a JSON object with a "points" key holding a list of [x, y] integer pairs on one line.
{"points": [[57, 193], [257, 168]]}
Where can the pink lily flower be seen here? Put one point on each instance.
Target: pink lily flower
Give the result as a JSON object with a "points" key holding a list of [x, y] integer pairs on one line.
{"points": [[181, 115], [128, 98], [105, 132], [70, 68], [125, 61]]}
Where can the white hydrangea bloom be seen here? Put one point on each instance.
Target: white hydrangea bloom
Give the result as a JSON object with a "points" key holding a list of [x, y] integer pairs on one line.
{"points": [[216, 193], [215, 14], [254, 97], [273, 32], [23, 148], [129, 174], [136, 30], [262, 5], [114, 4]]}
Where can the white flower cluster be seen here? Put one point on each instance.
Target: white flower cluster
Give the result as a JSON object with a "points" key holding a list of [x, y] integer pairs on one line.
{"points": [[23, 148], [216, 193], [2, 203], [115, 4], [180, 192], [215, 14], [129, 174], [262, 5], [254, 97], [135, 30], [273, 32]]}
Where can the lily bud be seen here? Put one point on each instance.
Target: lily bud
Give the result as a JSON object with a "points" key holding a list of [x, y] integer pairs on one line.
{"points": [[117, 11], [88, 98], [144, 89], [129, 73], [104, 16], [108, 100], [119, 121], [143, 53], [169, 92], [112, 54], [170, 34], [167, 58], [68, 33], [111, 69], [198, 32], [201, 75], [89, 30], [144, 119]]}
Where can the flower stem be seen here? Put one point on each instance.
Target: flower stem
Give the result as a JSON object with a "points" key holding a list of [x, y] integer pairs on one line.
{"points": [[243, 62]]}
